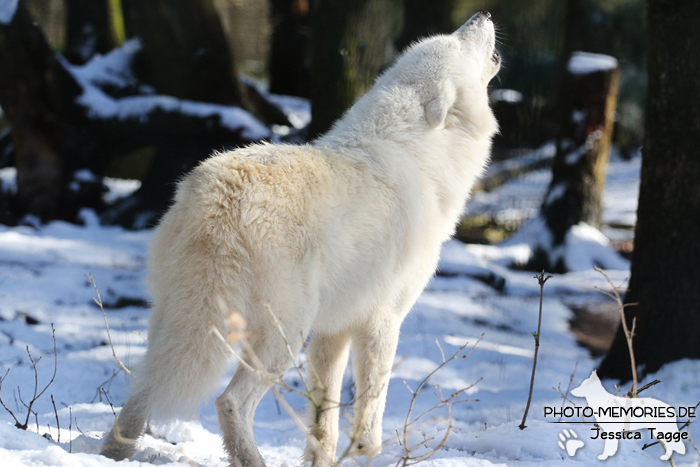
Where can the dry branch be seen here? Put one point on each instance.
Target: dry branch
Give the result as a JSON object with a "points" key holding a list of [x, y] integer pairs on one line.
{"points": [[37, 394], [408, 458], [629, 334], [98, 301]]}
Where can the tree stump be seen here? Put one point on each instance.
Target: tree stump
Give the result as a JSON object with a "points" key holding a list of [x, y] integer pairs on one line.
{"points": [[588, 98]]}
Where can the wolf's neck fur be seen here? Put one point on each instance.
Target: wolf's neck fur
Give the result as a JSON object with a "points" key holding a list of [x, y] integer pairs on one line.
{"points": [[450, 159]]}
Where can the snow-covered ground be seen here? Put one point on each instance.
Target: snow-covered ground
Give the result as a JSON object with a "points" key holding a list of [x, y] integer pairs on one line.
{"points": [[42, 282]]}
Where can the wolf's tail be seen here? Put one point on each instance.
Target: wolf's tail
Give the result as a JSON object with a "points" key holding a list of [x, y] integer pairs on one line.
{"points": [[195, 287], [184, 363]]}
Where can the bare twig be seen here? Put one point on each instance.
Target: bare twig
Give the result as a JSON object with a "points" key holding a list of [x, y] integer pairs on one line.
{"points": [[629, 334], [541, 278], [77, 427], [98, 301], [108, 382], [289, 348], [690, 438], [110, 404], [70, 430], [37, 394], [408, 458], [58, 425], [17, 422], [564, 396], [647, 386], [568, 387]]}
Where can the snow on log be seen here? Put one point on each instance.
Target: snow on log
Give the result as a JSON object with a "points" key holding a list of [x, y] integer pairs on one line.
{"points": [[583, 248], [584, 63], [65, 118]]}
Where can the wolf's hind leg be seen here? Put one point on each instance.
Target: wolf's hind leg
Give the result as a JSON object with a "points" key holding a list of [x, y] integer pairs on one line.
{"points": [[374, 348], [269, 358], [129, 427], [328, 355]]}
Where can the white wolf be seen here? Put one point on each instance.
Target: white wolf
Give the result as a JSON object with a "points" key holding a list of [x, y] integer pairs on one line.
{"points": [[615, 423], [338, 237]]}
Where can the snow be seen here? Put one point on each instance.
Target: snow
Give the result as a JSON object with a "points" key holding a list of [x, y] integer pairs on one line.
{"points": [[583, 63], [42, 282], [507, 95], [8, 8], [584, 247], [555, 193], [587, 247], [297, 109], [8, 179], [520, 200], [621, 191], [113, 69], [103, 106], [119, 188]]}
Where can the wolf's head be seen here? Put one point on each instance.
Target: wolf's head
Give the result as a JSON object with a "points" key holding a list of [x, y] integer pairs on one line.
{"points": [[450, 73], [439, 83], [478, 39]]}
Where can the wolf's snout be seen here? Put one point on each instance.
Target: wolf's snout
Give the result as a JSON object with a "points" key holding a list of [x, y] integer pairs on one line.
{"points": [[480, 17]]}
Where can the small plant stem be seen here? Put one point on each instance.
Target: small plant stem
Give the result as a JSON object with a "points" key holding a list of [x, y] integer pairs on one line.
{"points": [[629, 334], [58, 424], [70, 429], [98, 301], [541, 278]]}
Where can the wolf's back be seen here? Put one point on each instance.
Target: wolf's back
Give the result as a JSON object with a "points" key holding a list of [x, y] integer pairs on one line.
{"points": [[234, 214]]}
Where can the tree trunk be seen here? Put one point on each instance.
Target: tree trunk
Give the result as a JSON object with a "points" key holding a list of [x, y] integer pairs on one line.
{"points": [[54, 134], [665, 280], [51, 134], [185, 52], [587, 106], [424, 18], [351, 43], [289, 54], [89, 30]]}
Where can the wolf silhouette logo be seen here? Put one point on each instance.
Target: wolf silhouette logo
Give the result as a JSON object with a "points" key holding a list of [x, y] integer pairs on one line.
{"points": [[619, 414]]}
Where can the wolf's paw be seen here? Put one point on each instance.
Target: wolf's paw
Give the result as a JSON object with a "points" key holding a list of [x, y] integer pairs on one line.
{"points": [[569, 442], [367, 446]]}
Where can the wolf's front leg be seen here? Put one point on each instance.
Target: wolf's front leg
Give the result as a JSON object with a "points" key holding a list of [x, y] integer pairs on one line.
{"points": [[328, 355], [374, 348], [609, 449]]}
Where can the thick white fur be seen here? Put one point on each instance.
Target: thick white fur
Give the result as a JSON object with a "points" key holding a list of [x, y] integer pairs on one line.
{"points": [[338, 237]]}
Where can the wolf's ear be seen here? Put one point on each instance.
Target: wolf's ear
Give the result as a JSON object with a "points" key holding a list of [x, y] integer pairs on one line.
{"points": [[439, 103]]}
